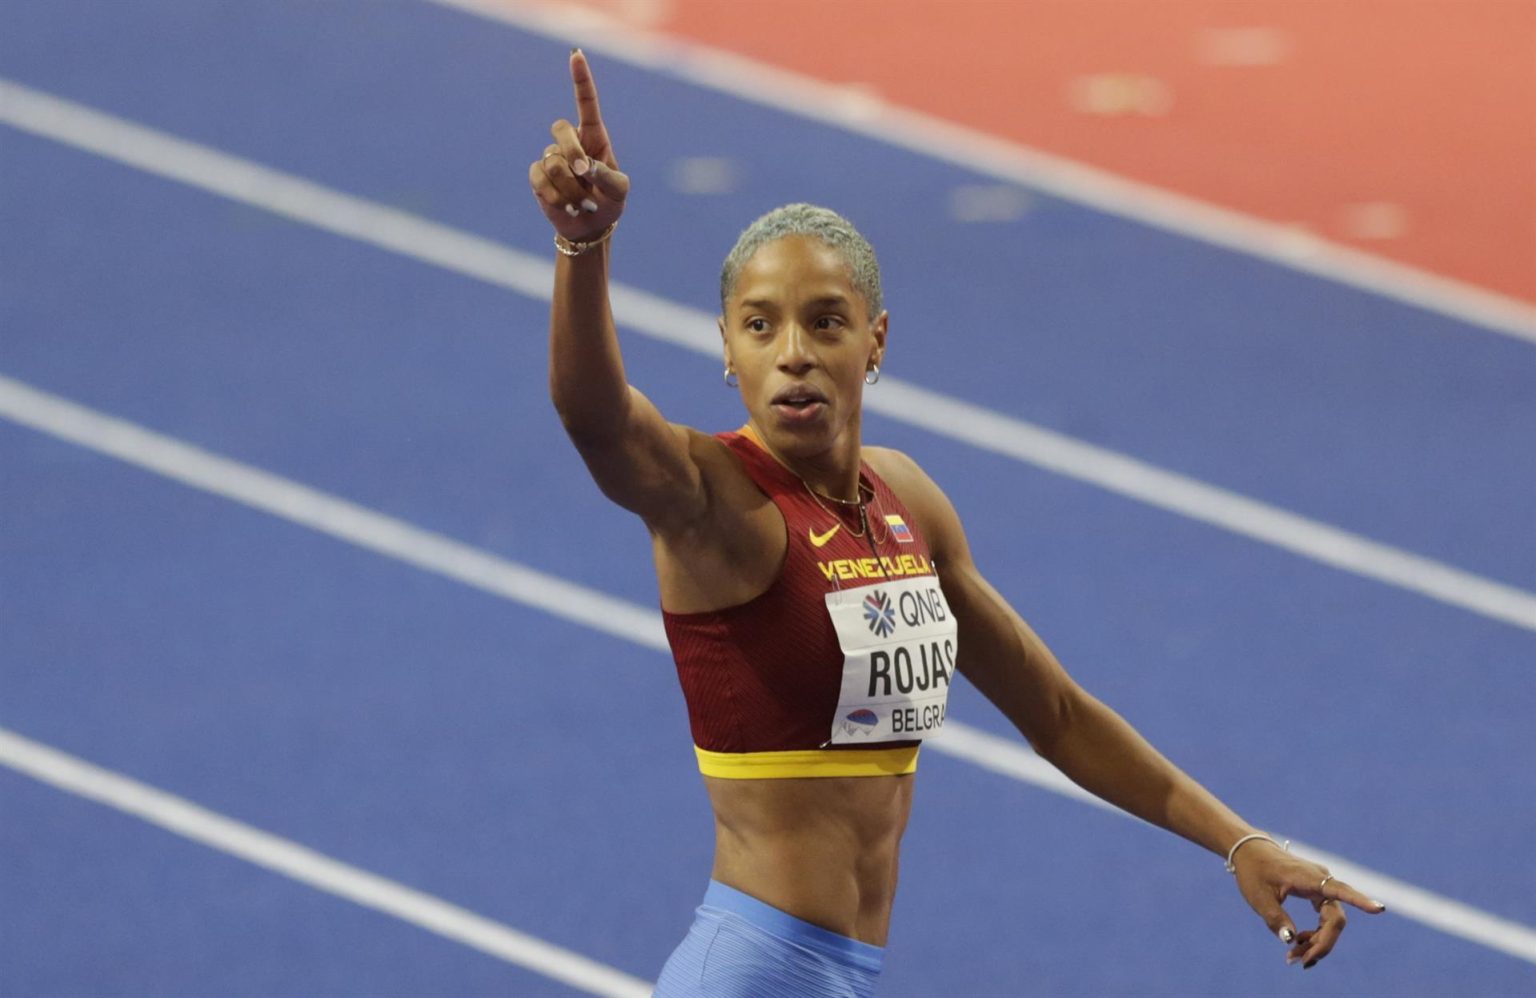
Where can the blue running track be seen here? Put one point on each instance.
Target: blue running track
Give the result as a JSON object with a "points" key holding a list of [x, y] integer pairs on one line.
{"points": [[537, 771]]}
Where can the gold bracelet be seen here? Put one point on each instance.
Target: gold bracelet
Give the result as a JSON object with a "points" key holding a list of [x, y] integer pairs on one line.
{"points": [[569, 247]]}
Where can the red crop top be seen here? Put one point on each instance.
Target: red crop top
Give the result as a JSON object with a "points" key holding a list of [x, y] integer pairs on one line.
{"points": [[776, 687]]}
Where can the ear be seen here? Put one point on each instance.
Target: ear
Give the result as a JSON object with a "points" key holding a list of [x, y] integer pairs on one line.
{"points": [[725, 344], [879, 329]]}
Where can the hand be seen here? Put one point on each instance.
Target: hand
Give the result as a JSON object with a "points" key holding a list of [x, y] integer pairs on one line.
{"points": [[577, 181], [1267, 875]]}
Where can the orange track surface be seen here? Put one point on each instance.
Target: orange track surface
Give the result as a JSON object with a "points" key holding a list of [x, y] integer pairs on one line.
{"points": [[1427, 107]]}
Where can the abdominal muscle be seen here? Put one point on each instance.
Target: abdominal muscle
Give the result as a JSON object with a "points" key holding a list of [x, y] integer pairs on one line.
{"points": [[823, 850]]}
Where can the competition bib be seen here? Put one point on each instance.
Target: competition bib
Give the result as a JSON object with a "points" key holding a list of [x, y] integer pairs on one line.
{"points": [[898, 640]]}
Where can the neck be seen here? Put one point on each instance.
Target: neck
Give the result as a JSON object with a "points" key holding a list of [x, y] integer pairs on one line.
{"points": [[833, 472]]}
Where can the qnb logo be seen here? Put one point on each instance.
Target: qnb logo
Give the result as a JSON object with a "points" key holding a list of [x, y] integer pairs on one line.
{"points": [[861, 721], [879, 614]]}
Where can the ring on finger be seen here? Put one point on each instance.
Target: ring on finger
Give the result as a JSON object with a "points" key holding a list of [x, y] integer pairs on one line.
{"points": [[1324, 882]]}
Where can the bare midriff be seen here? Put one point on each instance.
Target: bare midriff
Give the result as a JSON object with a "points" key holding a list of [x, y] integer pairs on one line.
{"points": [[823, 850]]}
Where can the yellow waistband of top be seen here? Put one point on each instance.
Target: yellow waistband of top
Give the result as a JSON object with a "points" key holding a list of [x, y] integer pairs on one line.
{"points": [[808, 763]]}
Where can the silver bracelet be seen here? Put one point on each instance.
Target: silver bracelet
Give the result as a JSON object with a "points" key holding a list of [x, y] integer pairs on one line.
{"points": [[1232, 867], [569, 247]]}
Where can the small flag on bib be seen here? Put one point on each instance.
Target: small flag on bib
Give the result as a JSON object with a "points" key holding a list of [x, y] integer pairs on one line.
{"points": [[899, 529]]}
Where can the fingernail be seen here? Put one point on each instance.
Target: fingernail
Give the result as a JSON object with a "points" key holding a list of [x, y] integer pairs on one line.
{"points": [[1309, 965], [575, 49], [1286, 935], [588, 205], [572, 210], [1379, 905], [579, 168]]}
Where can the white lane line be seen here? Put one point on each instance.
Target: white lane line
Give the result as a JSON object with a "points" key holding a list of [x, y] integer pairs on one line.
{"points": [[463, 253], [1009, 758], [432, 552], [1209, 504], [209, 828], [867, 115], [326, 513]]}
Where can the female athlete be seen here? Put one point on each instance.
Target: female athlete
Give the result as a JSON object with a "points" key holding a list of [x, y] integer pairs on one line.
{"points": [[819, 595]]}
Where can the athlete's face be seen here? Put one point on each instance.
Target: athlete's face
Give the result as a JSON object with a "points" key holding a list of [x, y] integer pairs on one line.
{"points": [[800, 337]]}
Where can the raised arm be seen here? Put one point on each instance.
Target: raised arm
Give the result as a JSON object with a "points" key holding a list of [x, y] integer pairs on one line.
{"points": [[637, 458], [1098, 750]]}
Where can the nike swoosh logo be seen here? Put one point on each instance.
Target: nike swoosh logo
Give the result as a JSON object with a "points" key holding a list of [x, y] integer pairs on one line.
{"points": [[819, 541]]}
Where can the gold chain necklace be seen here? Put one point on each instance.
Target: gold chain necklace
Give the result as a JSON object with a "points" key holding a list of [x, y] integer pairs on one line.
{"points": [[861, 504]]}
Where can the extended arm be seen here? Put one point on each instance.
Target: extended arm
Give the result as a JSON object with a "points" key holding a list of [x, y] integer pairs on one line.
{"points": [[637, 458], [1069, 727], [1102, 753]]}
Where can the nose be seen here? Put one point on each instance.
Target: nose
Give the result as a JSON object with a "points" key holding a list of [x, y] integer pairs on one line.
{"points": [[795, 356]]}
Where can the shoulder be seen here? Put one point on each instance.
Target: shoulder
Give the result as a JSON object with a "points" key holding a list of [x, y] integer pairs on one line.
{"points": [[900, 472], [722, 467], [728, 489], [728, 553], [934, 513], [904, 475], [704, 448]]}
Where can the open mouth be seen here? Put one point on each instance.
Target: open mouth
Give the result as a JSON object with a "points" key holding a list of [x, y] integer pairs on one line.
{"points": [[798, 403], [798, 397]]}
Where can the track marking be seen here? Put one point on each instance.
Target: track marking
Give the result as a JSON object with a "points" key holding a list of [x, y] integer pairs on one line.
{"points": [[192, 821], [1455, 918], [642, 626], [1257, 46], [935, 138], [460, 252], [325, 513]]}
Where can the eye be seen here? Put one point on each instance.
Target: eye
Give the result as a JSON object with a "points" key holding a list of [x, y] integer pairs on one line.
{"points": [[757, 324], [829, 322]]}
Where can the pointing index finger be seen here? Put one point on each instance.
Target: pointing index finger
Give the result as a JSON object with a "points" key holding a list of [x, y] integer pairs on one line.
{"points": [[588, 114], [1338, 890]]}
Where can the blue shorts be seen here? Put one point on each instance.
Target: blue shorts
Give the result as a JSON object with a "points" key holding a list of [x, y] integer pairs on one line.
{"points": [[739, 947]]}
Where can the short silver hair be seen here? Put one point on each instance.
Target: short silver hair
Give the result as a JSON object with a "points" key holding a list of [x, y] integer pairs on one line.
{"points": [[821, 224]]}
